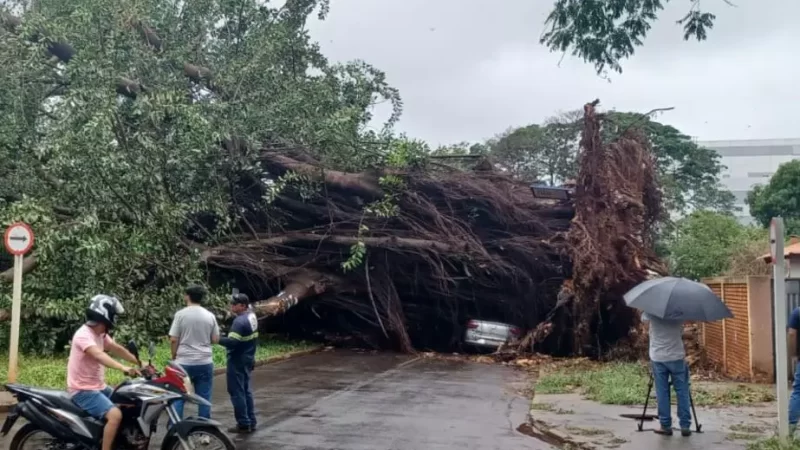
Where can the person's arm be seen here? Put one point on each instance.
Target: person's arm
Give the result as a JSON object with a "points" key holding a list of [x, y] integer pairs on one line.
{"points": [[174, 336], [234, 338], [215, 331], [104, 359], [121, 352]]}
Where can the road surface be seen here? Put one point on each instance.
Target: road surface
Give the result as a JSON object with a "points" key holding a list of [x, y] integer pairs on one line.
{"points": [[346, 400]]}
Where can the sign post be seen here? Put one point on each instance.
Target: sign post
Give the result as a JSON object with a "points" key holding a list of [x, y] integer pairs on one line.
{"points": [[18, 240], [776, 245]]}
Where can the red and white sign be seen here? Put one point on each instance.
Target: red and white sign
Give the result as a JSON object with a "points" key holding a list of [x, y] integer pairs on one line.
{"points": [[18, 238]]}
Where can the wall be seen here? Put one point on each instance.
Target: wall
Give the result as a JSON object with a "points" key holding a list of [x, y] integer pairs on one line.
{"points": [[762, 336]]}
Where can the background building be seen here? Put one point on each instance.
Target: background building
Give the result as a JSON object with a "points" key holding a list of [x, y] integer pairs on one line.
{"points": [[751, 162]]}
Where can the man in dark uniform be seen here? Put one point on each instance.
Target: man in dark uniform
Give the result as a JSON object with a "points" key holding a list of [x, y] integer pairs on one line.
{"points": [[241, 343]]}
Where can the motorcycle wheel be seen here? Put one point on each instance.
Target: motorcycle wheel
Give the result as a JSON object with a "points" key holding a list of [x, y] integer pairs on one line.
{"points": [[204, 438], [29, 431]]}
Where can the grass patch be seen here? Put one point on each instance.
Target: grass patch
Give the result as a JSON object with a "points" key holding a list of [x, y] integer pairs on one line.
{"points": [[626, 384], [774, 443], [742, 437], [51, 372], [747, 428], [612, 384]]}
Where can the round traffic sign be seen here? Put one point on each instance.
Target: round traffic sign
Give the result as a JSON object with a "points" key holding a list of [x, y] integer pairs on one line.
{"points": [[18, 238]]}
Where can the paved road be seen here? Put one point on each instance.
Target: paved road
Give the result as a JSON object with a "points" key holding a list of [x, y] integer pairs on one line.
{"points": [[346, 400]]}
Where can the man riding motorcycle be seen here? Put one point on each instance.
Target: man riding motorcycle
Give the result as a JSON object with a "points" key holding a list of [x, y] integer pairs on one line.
{"points": [[88, 360]]}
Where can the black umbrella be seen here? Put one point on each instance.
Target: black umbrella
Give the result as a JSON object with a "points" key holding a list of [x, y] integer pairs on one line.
{"points": [[677, 299]]}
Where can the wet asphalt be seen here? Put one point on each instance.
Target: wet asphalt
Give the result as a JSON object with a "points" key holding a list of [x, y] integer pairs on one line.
{"points": [[346, 400], [349, 400]]}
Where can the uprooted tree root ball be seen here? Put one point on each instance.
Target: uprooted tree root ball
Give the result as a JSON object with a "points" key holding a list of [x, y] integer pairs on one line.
{"points": [[461, 245]]}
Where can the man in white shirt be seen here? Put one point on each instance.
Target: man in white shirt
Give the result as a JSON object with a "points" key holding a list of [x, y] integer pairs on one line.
{"points": [[192, 334]]}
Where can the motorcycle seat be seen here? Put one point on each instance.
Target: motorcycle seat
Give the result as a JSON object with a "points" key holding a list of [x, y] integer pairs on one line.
{"points": [[58, 399]]}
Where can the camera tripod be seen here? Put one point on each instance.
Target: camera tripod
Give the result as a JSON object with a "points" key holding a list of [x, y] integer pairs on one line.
{"points": [[644, 415]]}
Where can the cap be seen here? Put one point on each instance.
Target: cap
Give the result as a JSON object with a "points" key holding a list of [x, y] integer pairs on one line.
{"points": [[240, 299]]}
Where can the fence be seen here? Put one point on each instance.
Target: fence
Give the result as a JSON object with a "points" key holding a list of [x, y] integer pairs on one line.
{"points": [[736, 344]]}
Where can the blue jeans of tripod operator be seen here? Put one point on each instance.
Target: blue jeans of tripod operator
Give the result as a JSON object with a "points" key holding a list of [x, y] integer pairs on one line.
{"points": [[677, 372]]}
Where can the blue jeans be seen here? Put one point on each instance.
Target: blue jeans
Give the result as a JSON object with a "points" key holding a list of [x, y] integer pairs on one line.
{"points": [[96, 403], [241, 394], [678, 372], [202, 377], [794, 400]]}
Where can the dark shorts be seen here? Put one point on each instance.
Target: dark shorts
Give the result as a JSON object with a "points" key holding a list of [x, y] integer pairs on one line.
{"points": [[96, 403]]}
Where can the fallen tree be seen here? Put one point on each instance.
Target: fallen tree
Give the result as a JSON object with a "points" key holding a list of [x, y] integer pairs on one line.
{"points": [[456, 245], [466, 245], [400, 254]]}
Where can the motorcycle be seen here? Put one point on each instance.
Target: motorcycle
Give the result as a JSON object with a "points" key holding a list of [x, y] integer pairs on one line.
{"points": [[53, 417]]}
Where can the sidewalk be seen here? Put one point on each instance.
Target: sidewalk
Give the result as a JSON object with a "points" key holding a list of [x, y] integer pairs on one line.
{"points": [[570, 419]]}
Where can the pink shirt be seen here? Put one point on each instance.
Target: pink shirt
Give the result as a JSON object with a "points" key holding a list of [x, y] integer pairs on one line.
{"points": [[84, 373]]}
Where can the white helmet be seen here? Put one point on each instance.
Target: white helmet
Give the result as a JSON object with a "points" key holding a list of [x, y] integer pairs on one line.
{"points": [[104, 308]]}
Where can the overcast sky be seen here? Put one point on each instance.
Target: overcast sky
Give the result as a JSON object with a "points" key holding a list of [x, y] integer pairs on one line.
{"points": [[467, 70]]}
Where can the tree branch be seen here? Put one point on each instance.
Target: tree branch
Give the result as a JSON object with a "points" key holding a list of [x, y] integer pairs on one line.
{"points": [[28, 264]]}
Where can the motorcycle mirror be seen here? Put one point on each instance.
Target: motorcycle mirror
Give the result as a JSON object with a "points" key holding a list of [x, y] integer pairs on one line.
{"points": [[133, 348], [151, 350]]}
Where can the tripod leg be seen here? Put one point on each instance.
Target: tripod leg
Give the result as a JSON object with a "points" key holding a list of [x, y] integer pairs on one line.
{"points": [[694, 412], [646, 403]]}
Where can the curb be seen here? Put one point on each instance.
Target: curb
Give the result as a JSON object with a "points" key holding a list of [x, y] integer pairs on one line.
{"points": [[543, 431], [6, 407], [555, 437]]}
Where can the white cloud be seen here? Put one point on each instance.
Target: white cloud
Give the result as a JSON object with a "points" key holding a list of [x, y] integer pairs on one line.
{"points": [[468, 69]]}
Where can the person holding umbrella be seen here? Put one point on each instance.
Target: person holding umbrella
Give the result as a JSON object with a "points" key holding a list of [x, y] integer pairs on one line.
{"points": [[666, 304]]}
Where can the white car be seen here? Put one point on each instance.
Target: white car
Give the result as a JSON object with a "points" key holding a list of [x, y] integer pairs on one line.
{"points": [[482, 333]]}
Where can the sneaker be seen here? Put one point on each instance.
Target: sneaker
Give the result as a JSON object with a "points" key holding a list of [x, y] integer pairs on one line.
{"points": [[663, 431], [240, 430], [686, 432]]}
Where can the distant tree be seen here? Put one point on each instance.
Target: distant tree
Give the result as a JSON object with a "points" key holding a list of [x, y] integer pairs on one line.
{"points": [[517, 150], [546, 152], [604, 32], [689, 173], [705, 243], [779, 198], [449, 154]]}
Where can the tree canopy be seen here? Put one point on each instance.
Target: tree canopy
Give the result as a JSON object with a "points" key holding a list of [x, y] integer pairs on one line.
{"points": [[689, 174], [605, 32], [128, 125], [778, 198], [707, 244]]}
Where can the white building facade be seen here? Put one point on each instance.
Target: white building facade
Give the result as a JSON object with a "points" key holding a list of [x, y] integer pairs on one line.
{"points": [[749, 163]]}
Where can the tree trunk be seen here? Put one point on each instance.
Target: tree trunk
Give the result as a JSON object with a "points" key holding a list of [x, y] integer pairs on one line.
{"points": [[360, 183], [28, 264], [303, 285]]}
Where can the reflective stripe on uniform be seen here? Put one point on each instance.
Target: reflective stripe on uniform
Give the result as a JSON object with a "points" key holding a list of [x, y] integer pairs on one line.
{"points": [[239, 337]]}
